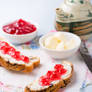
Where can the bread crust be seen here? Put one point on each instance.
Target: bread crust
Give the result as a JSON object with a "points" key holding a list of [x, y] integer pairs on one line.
{"points": [[51, 88], [54, 87], [19, 67]]}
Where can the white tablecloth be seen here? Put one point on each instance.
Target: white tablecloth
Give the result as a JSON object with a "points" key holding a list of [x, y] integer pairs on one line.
{"points": [[21, 80]]}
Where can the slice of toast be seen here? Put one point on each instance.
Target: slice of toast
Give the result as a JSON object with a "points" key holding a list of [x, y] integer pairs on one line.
{"points": [[55, 85], [11, 63]]}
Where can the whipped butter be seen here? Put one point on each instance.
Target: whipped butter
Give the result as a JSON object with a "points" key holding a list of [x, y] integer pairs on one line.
{"points": [[59, 41]]}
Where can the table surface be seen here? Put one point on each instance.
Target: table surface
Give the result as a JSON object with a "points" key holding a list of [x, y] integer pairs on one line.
{"points": [[40, 11]]}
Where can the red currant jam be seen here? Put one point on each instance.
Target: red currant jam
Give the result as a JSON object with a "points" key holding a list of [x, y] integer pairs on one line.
{"points": [[51, 76], [19, 27], [5, 48]]}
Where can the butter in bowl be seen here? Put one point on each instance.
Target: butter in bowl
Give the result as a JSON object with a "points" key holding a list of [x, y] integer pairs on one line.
{"points": [[60, 45]]}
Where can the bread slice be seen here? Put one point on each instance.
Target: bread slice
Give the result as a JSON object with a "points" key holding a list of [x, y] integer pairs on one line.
{"points": [[55, 85], [12, 64]]}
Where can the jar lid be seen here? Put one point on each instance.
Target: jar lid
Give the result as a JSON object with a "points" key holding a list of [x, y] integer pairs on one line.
{"points": [[74, 10]]}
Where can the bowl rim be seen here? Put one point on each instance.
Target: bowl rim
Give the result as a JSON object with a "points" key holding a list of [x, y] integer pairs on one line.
{"points": [[54, 50], [32, 22], [19, 35]]}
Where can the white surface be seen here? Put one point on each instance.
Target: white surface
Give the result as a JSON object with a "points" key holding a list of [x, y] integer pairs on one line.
{"points": [[20, 79], [43, 12]]}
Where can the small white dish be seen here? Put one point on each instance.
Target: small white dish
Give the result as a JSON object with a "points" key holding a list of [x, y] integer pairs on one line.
{"points": [[61, 54], [19, 39]]}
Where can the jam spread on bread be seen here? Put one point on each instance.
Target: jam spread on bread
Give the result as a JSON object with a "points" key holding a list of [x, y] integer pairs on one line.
{"points": [[19, 27], [51, 76], [5, 48]]}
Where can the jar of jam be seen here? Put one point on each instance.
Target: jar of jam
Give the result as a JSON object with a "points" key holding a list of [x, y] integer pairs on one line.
{"points": [[75, 16]]}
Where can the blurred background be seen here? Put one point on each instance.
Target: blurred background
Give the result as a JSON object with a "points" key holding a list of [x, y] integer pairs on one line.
{"points": [[40, 11]]}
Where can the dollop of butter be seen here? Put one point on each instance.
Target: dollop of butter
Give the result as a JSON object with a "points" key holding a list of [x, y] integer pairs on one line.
{"points": [[59, 41], [52, 42]]}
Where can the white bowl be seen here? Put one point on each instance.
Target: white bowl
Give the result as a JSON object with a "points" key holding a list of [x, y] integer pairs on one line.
{"points": [[19, 39], [57, 54]]}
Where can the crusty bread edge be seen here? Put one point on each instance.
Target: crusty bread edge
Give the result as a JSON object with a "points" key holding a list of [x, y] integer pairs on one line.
{"points": [[51, 88], [56, 87], [68, 79], [36, 63], [19, 67]]}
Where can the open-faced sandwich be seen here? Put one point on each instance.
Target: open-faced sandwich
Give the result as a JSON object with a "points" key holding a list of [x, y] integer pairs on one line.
{"points": [[53, 80], [13, 59]]}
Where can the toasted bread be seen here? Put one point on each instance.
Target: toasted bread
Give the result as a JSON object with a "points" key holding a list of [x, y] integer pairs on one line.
{"points": [[56, 85], [11, 64]]}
